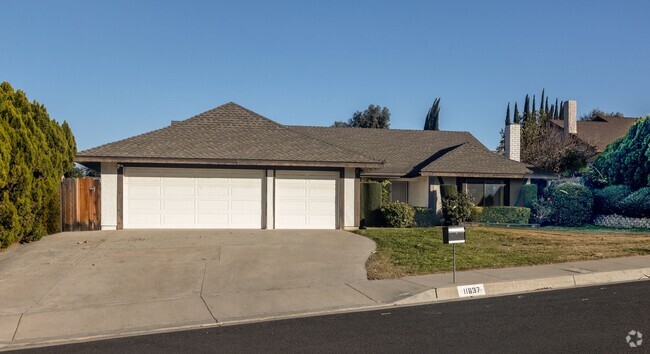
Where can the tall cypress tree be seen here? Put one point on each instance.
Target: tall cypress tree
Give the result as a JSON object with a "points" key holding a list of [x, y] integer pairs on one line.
{"points": [[546, 109], [534, 115], [433, 116], [541, 103], [556, 116], [526, 108], [508, 114], [516, 117]]}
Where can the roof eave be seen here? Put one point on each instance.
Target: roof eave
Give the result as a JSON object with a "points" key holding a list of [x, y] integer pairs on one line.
{"points": [[225, 162], [475, 174]]}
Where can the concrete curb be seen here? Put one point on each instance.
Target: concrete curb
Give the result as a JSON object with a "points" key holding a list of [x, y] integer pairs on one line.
{"points": [[528, 285]]}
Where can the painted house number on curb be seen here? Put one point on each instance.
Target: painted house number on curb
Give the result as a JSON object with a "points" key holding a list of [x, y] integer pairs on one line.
{"points": [[471, 290]]}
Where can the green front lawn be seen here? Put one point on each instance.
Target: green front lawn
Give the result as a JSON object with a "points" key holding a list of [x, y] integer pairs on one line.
{"points": [[416, 251]]}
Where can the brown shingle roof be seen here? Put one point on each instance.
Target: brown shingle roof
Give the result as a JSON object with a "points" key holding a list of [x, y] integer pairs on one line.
{"points": [[601, 132], [229, 134], [413, 152]]}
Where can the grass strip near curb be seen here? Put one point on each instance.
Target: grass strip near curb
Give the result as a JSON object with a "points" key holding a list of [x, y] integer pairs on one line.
{"points": [[416, 251]]}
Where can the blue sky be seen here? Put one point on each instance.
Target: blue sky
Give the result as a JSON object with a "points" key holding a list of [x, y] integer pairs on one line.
{"points": [[114, 69]]}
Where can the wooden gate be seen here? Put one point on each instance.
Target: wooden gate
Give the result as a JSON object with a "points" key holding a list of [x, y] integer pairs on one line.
{"points": [[80, 204]]}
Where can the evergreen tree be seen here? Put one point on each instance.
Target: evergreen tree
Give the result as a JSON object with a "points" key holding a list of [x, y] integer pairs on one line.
{"points": [[432, 120], [546, 109], [534, 107], [35, 152], [561, 116], [526, 108], [508, 115], [516, 118], [541, 103], [556, 116]]}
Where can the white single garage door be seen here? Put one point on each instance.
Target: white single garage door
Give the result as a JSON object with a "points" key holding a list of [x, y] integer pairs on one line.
{"points": [[192, 198], [305, 200]]}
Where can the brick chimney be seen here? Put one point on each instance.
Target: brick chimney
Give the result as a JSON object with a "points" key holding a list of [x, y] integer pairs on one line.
{"points": [[570, 119], [512, 140]]}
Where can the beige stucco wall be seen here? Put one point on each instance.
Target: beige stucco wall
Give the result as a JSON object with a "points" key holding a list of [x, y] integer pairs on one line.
{"points": [[348, 200], [109, 196]]}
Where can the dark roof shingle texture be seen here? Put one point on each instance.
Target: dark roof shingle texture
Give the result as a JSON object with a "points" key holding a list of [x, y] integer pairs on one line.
{"points": [[409, 152], [601, 132], [228, 132]]}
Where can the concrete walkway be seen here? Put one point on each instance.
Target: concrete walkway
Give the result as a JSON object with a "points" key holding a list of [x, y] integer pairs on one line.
{"points": [[79, 286]]}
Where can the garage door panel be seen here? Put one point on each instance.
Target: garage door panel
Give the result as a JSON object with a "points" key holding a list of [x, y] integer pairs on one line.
{"points": [[178, 191], [248, 206], [246, 191], [292, 206], [144, 204], [179, 219], [208, 205], [292, 192], [177, 204], [323, 207], [145, 219], [305, 200], [144, 190], [321, 193], [212, 191], [192, 198]]}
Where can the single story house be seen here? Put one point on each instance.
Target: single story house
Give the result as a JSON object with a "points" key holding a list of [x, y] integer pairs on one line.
{"points": [[230, 167]]}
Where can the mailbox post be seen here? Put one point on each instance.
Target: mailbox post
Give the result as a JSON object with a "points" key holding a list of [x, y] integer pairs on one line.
{"points": [[453, 235]]}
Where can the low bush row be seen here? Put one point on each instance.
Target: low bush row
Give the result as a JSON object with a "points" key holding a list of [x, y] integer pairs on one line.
{"points": [[620, 199]]}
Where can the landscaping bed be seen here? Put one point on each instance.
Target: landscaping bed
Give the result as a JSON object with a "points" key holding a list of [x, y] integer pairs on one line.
{"points": [[415, 251]]}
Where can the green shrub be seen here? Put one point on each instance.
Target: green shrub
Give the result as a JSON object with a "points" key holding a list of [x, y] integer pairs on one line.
{"points": [[571, 204], [541, 212], [398, 214], [448, 190], [475, 214], [457, 208], [386, 189], [608, 200], [528, 195], [505, 215], [424, 217], [637, 204], [35, 151], [371, 196]]}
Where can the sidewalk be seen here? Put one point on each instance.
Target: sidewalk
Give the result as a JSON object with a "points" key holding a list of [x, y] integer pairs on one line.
{"points": [[231, 308]]}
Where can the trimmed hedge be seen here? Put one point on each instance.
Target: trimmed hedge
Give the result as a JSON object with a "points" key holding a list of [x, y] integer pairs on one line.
{"points": [[637, 204], [608, 200], [572, 204], [398, 214], [505, 215], [448, 190], [424, 217], [528, 195], [457, 208], [371, 200], [475, 214]]}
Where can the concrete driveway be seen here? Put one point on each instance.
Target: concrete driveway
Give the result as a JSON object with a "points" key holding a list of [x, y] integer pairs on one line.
{"points": [[88, 283]]}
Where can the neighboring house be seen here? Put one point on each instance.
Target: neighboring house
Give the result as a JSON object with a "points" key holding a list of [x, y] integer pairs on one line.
{"points": [[230, 167], [597, 133]]}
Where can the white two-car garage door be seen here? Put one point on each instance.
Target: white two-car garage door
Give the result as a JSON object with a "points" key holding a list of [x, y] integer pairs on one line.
{"points": [[305, 199], [192, 198]]}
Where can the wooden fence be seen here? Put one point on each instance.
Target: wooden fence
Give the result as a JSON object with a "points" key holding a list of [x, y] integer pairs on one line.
{"points": [[80, 204]]}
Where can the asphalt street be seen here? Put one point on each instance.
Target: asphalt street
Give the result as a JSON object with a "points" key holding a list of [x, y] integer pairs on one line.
{"points": [[591, 319]]}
